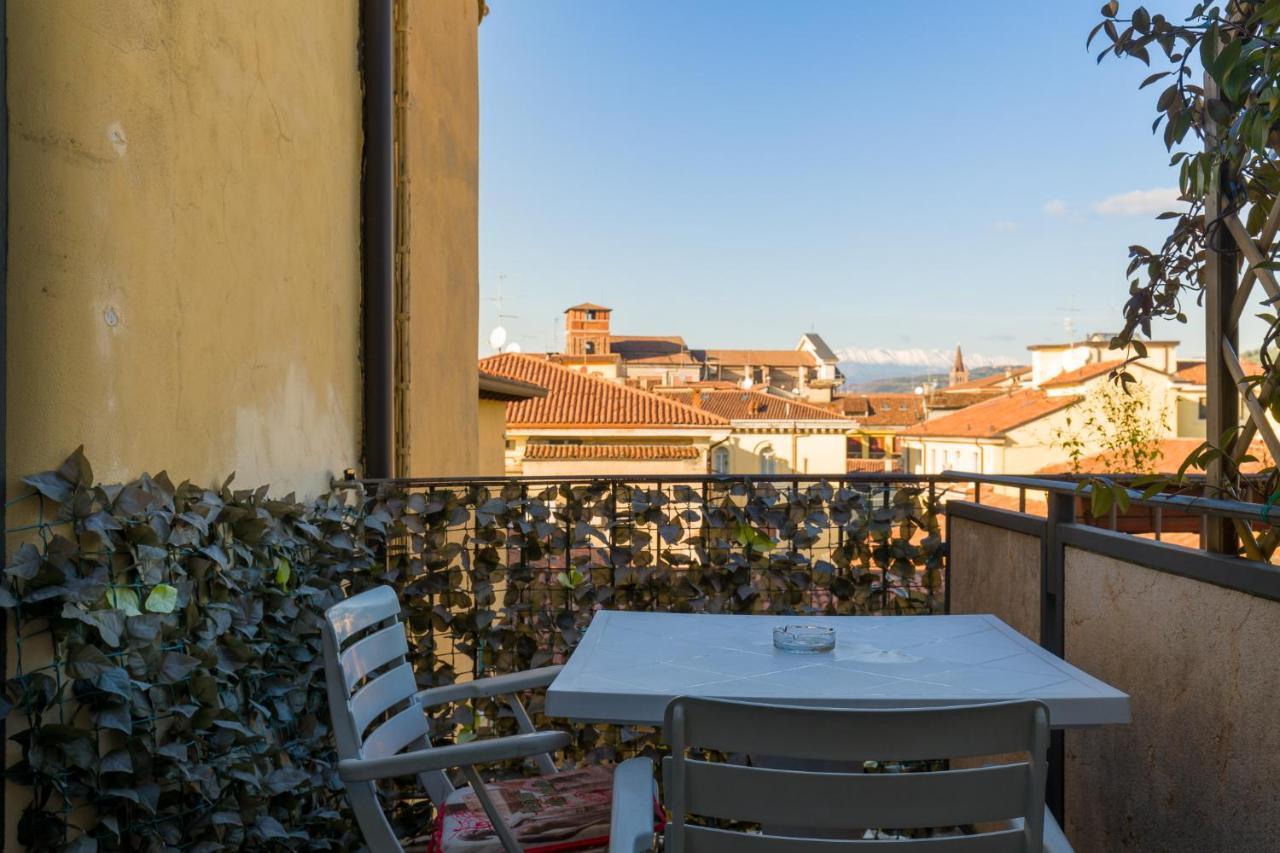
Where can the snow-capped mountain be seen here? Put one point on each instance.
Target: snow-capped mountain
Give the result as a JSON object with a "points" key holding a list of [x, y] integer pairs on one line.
{"points": [[862, 364]]}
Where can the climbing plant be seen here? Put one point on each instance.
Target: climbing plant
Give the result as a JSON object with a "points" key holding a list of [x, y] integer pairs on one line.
{"points": [[1223, 143], [167, 688]]}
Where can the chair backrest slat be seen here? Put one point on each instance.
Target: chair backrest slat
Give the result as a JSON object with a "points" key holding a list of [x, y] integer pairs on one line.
{"points": [[366, 651], [702, 839], [891, 734], [352, 616], [798, 798], [383, 693], [806, 807], [404, 729], [371, 653]]}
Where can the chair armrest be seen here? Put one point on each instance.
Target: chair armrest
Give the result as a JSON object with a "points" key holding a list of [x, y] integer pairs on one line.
{"points": [[1055, 840], [498, 685], [631, 824], [455, 755]]}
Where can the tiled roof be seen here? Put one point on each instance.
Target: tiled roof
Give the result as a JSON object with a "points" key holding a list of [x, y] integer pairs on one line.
{"points": [[1195, 373], [1081, 374], [576, 399], [946, 399], [988, 381], [1172, 452], [640, 349], [761, 357], [820, 348], [742, 405], [882, 409], [993, 418], [505, 390], [628, 452], [586, 306]]}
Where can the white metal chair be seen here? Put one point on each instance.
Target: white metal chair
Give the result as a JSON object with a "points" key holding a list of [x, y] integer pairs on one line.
{"points": [[1010, 795], [382, 732]]}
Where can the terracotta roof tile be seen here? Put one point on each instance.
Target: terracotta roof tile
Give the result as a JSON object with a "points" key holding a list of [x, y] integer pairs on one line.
{"points": [[993, 418], [1082, 374], [586, 306], [1195, 373], [882, 409], [741, 405], [609, 451], [576, 399]]}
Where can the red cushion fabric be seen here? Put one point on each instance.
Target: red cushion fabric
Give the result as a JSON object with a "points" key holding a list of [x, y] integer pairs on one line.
{"points": [[567, 811]]}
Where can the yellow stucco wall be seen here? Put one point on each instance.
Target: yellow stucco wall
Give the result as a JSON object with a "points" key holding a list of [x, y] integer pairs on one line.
{"points": [[442, 126], [804, 453], [492, 442], [184, 238]]}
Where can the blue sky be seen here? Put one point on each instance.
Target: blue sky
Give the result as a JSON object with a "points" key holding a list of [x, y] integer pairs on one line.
{"points": [[738, 171]]}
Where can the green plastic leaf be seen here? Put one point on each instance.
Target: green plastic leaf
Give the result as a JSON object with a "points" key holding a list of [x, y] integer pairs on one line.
{"points": [[163, 599], [123, 599], [283, 570]]}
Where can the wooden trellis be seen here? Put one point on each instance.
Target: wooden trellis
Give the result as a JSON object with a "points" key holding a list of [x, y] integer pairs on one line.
{"points": [[1226, 382]]}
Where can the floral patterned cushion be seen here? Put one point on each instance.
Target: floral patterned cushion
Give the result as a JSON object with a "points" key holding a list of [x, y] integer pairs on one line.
{"points": [[567, 811]]}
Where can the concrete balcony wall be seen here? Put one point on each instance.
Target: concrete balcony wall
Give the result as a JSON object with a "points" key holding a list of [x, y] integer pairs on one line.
{"points": [[1199, 767], [1193, 638], [998, 569]]}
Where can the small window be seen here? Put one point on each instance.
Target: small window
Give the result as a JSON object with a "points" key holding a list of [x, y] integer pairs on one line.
{"points": [[591, 315], [589, 347], [720, 460], [768, 462], [511, 444]]}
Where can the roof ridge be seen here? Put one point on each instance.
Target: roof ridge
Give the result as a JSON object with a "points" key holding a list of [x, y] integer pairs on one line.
{"points": [[707, 418]]}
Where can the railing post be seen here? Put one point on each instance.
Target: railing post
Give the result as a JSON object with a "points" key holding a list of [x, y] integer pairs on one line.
{"points": [[1062, 510], [1223, 402]]}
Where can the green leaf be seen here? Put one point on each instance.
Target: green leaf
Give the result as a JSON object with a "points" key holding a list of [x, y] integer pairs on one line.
{"points": [[283, 570], [1101, 500], [163, 599], [122, 598]]}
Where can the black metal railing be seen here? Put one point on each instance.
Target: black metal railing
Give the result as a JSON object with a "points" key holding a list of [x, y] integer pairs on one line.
{"points": [[502, 574]]}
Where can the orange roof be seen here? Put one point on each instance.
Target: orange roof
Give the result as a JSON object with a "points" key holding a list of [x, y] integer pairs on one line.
{"points": [[1081, 374], [743, 405], [945, 399], [1171, 453], [761, 357], [647, 349], [576, 399], [882, 409], [988, 381], [586, 306], [610, 451], [993, 418], [1195, 372]]}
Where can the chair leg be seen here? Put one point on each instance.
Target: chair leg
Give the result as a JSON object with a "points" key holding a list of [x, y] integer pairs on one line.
{"points": [[500, 827]]}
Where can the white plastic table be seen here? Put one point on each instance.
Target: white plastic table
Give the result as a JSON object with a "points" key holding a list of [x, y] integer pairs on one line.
{"points": [[629, 666]]}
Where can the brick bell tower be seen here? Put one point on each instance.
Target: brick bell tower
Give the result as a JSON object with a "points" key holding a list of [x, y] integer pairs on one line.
{"points": [[586, 330]]}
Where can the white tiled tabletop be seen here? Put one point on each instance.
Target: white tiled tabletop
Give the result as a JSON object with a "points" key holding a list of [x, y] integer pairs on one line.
{"points": [[629, 666]]}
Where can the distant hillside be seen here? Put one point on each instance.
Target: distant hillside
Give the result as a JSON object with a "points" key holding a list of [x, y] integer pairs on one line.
{"points": [[907, 384]]}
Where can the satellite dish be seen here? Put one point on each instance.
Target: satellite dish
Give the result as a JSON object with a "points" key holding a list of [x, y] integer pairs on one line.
{"points": [[747, 382], [514, 346], [920, 389], [497, 337]]}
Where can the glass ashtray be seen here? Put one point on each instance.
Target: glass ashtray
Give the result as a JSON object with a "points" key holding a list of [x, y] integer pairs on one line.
{"points": [[804, 639]]}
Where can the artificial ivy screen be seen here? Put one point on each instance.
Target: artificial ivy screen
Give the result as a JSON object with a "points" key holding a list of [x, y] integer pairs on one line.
{"points": [[169, 689]]}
